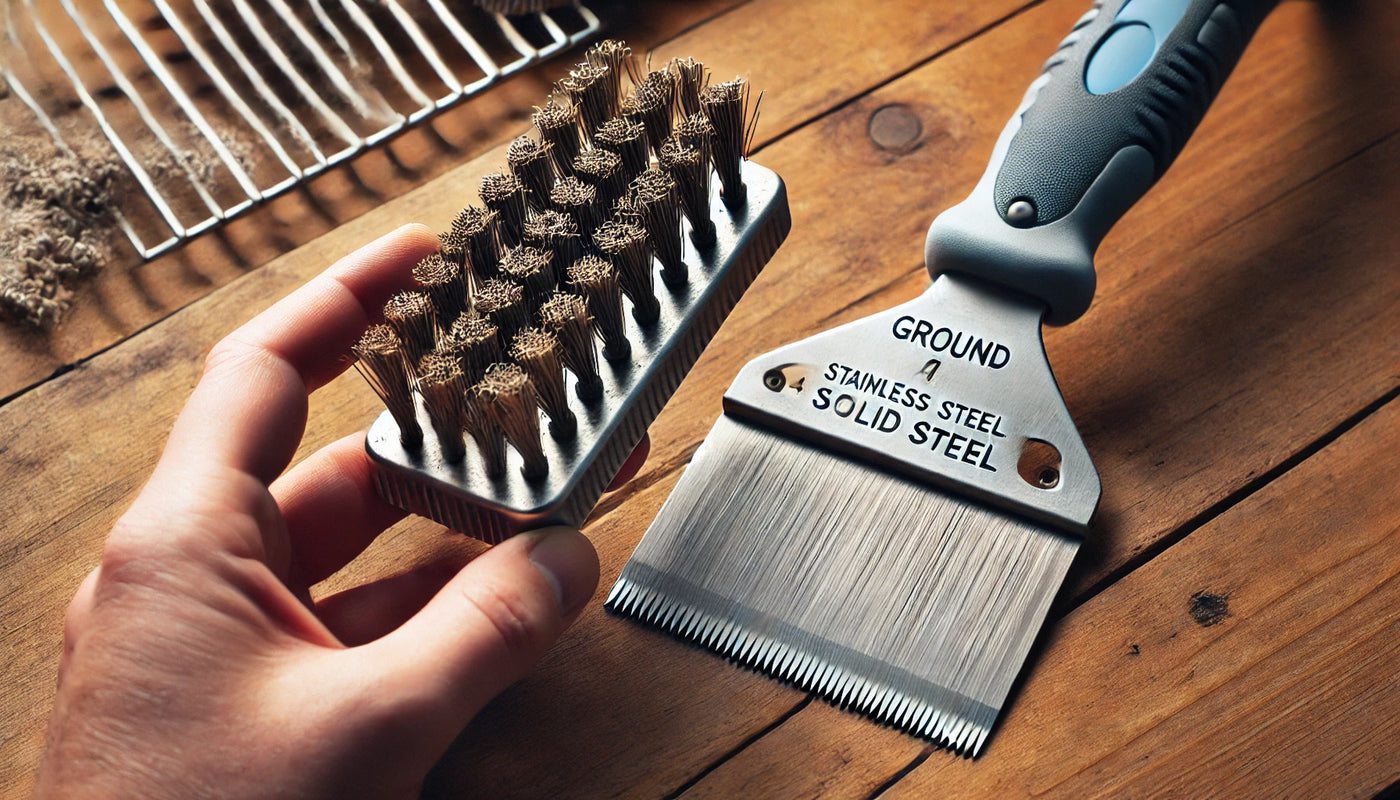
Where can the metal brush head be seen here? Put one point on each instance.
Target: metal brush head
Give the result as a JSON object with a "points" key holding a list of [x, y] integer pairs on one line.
{"points": [[943, 610], [634, 388], [882, 516]]}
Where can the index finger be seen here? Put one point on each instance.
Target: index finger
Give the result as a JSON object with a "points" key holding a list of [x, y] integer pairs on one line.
{"points": [[249, 410]]}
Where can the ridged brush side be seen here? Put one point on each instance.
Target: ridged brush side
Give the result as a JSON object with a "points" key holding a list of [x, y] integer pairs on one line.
{"points": [[557, 321], [634, 391], [761, 555]]}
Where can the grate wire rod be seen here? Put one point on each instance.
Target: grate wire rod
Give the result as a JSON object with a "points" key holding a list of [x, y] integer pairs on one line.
{"points": [[168, 82], [324, 64]]}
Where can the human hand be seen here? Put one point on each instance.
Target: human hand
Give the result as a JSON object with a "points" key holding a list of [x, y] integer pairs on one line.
{"points": [[195, 663]]}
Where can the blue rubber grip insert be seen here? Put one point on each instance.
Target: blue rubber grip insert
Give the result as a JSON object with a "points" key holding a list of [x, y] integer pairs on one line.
{"points": [[1132, 73], [1123, 53], [1140, 28]]}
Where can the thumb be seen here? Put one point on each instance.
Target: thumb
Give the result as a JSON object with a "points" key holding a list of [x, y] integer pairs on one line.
{"points": [[484, 629]]}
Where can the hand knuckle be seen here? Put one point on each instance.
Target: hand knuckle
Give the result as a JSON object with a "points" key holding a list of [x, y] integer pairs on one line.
{"points": [[509, 614]]}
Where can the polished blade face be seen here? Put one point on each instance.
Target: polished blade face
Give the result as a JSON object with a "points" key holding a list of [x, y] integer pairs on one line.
{"points": [[876, 593]]}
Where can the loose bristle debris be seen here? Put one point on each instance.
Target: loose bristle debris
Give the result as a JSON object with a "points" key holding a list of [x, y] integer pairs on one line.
{"points": [[534, 278], [480, 234], [566, 316], [687, 161], [540, 354], [530, 161], [530, 268], [580, 201], [444, 390], [381, 359], [726, 106], [509, 399], [557, 121], [651, 104], [445, 285], [958, 580], [628, 140], [627, 247], [504, 194], [691, 78], [413, 318], [596, 279], [653, 197], [476, 343], [603, 170], [503, 302]]}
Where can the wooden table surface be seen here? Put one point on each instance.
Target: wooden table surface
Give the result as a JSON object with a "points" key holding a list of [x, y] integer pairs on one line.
{"points": [[1236, 383]]}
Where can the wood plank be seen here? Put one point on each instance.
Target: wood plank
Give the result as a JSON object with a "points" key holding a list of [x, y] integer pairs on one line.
{"points": [[1289, 692], [753, 39], [646, 678], [1146, 475], [88, 473]]}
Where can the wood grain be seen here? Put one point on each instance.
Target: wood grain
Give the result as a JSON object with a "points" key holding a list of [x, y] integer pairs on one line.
{"points": [[1287, 694], [1247, 309], [88, 473], [1145, 342]]}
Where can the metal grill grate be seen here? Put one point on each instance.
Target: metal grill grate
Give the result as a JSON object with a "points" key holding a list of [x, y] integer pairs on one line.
{"points": [[215, 106]]}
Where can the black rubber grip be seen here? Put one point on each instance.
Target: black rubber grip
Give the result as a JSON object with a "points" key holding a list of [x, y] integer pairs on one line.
{"points": [[1079, 119]]}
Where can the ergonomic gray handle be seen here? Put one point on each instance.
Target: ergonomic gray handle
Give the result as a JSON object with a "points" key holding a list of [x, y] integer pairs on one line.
{"points": [[1109, 113]]}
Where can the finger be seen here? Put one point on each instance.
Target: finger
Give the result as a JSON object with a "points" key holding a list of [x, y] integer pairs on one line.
{"points": [[360, 615], [249, 408], [632, 465], [76, 617], [485, 628], [332, 509]]}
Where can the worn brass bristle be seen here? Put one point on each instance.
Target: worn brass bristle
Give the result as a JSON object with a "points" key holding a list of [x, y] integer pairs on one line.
{"points": [[689, 166], [726, 106], [475, 341], [589, 87], [626, 245], [452, 246], [490, 439], [444, 390], [557, 123], [651, 104], [616, 57], [413, 318], [629, 140], [503, 302], [580, 201], [566, 316], [691, 78], [653, 196], [508, 397], [603, 170], [530, 161], [445, 285], [504, 193], [530, 267], [557, 232], [381, 359], [540, 353], [596, 280], [479, 231]]}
